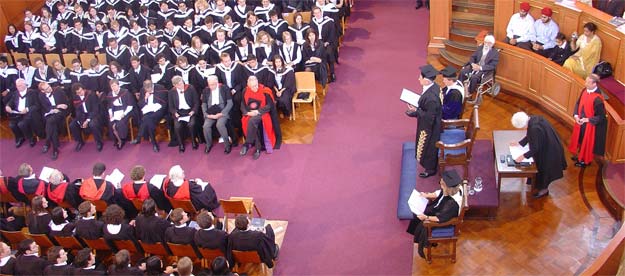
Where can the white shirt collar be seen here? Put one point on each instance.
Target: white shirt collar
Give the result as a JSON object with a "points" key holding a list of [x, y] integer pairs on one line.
{"points": [[426, 87], [592, 90]]}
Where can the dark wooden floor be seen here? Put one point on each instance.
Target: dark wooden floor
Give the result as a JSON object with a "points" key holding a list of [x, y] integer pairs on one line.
{"points": [[559, 234]]}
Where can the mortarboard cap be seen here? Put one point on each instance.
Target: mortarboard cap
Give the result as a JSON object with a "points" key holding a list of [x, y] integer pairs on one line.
{"points": [[451, 178], [428, 72], [449, 72]]}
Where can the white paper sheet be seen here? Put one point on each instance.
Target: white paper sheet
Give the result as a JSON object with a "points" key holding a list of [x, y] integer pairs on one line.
{"points": [[184, 118], [201, 183], [118, 115], [517, 151], [115, 178], [156, 77], [417, 203], [151, 108], [157, 180], [410, 97], [45, 174]]}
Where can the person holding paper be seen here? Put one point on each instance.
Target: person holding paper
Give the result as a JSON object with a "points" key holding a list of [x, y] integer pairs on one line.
{"points": [[120, 104], [444, 205], [153, 104], [428, 114], [54, 107], [178, 188], [544, 146], [138, 188], [589, 132], [184, 103], [96, 188], [88, 119]]}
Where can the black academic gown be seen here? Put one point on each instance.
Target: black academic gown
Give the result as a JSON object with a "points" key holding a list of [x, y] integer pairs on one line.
{"points": [[180, 235], [30, 265], [89, 229], [9, 267], [428, 128], [212, 239], [62, 230], [452, 103], [38, 224], [201, 199], [52, 269], [285, 79], [546, 149], [263, 243], [151, 229], [447, 209]]}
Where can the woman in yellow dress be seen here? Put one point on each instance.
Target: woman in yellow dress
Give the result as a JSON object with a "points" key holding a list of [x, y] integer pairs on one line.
{"points": [[588, 47]]}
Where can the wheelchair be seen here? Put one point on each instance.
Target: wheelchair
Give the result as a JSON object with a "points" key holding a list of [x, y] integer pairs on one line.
{"points": [[488, 85]]}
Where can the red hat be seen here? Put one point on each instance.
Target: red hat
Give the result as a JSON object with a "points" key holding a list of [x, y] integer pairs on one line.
{"points": [[525, 6], [546, 11]]}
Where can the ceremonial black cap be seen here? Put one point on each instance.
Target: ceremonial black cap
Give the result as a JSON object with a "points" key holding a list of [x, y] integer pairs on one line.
{"points": [[428, 72], [451, 178], [449, 72]]}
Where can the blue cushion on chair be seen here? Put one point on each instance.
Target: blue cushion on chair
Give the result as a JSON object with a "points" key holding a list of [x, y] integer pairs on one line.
{"points": [[452, 136], [443, 232], [407, 180]]}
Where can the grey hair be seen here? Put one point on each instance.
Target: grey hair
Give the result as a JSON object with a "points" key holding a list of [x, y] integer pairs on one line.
{"points": [[56, 177], [212, 78], [177, 79], [176, 173], [519, 120]]}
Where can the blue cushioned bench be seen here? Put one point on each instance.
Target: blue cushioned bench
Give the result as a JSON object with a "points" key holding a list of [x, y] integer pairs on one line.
{"points": [[407, 179]]}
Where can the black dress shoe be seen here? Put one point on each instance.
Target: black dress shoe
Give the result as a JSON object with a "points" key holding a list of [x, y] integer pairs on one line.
{"points": [[582, 164], [208, 148], [45, 148], [228, 149], [155, 148], [19, 142], [33, 141], [426, 174], [243, 150], [574, 158], [135, 141], [121, 145], [55, 154], [194, 145], [181, 148], [79, 146], [257, 154], [98, 146]]}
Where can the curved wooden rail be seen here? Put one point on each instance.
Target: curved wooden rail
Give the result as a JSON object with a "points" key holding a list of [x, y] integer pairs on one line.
{"points": [[526, 74], [608, 262]]}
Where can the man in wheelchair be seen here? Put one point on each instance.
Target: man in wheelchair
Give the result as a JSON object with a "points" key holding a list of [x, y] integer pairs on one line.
{"points": [[481, 65]]}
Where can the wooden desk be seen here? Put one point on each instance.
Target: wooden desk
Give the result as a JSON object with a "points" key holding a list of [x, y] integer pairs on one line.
{"points": [[501, 143]]}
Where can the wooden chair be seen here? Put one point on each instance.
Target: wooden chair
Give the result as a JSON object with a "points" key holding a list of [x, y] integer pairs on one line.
{"points": [[306, 16], [208, 255], [50, 58], [186, 205], [236, 206], [68, 242], [42, 240], [305, 83], [13, 237], [138, 203], [9, 58], [456, 144], [17, 56], [33, 56], [98, 244], [128, 245], [6, 199], [85, 60], [67, 60], [249, 257], [100, 205], [446, 232], [101, 58], [154, 249], [289, 18], [183, 250], [163, 122]]}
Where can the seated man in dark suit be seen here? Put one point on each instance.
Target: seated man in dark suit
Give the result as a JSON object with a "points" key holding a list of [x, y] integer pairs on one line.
{"points": [[180, 232], [58, 262], [54, 108], [481, 65], [87, 227], [184, 104], [209, 235], [7, 261], [178, 188], [216, 106], [84, 263], [96, 188], [88, 117], [153, 104], [29, 262], [22, 107], [243, 239]]}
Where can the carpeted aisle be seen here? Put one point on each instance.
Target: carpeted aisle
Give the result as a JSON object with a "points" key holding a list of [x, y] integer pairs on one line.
{"points": [[338, 194]]}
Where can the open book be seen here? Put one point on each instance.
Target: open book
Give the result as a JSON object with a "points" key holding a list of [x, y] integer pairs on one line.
{"points": [[519, 150], [417, 203], [157, 180], [410, 97], [115, 178], [45, 174]]}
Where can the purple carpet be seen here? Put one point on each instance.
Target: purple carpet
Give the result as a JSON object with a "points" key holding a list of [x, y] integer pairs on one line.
{"points": [[615, 177], [338, 194]]}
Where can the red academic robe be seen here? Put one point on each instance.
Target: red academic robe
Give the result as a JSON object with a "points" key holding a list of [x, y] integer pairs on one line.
{"points": [[260, 96], [587, 144]]}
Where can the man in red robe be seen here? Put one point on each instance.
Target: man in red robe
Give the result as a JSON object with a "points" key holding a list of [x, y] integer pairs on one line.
{"points": [[138, 188], [96, 188], [589, 132], [257, 106], [177, 187]]}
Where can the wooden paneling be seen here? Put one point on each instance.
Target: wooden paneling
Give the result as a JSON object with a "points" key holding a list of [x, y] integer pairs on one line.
{"points": [[12, 11], [555, 89], [440, 23], [570, 20]]}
